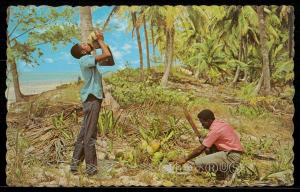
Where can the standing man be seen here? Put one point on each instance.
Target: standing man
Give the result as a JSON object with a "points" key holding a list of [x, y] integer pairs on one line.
{"points": [[91, 95], [227, 142]]}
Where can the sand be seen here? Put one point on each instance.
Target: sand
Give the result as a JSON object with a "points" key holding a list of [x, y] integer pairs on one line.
{"points": [[30, 88]]}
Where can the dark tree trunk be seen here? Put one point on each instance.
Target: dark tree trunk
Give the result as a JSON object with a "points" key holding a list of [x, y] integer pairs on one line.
{"points": [[14, 71], [291, 31], [15, 78]]}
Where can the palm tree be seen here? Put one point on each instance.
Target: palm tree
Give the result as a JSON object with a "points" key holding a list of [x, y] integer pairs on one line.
{"points": [[264, 82], [143, 19], [170, 33], [86, 26], [170, 15], [287, 16], [113, 11], [136, 28], [147, 42], [152, 39], [133, 18], [243, 21], [151, 14]]}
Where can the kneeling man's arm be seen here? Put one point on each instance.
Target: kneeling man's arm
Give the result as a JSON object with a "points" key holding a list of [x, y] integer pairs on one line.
{"points": [[196, 152], [192, 155]]}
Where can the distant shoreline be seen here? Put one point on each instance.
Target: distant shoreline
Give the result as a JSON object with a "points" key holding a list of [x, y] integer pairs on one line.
{"points": [[33, 87], [36, 83]]}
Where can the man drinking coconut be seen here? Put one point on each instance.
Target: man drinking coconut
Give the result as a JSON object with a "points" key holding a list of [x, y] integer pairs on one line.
{"points": [[91, 96]]}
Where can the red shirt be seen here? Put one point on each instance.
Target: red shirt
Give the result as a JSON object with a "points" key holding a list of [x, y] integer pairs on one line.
{"points": [[223, 136]]}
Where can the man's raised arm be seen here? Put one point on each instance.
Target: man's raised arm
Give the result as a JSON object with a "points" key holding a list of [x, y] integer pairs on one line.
{"points": [[105, 51]]}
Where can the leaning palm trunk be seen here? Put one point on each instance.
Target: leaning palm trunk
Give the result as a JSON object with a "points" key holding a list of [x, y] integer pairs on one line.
{"points": [[236, 76], [114, 10], [86, 27], [259, 84]]}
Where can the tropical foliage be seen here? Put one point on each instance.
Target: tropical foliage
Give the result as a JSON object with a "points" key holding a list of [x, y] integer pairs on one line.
{"points": [[235, 60]]}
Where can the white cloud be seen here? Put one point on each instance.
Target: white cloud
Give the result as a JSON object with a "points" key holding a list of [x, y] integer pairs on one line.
{"points": [[49, 60]]}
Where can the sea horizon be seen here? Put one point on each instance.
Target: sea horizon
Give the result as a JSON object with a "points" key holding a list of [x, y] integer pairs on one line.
{"points": [[39, 78]]}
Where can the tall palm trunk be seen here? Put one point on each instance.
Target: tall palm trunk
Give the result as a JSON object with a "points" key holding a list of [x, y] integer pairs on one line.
{"points": [[266, 86], [147, 43], [137, 30], [169, 56], [153, 43], [86, 26]]}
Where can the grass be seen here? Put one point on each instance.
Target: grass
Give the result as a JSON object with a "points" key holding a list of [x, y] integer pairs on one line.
{"points": [[152, 113]]}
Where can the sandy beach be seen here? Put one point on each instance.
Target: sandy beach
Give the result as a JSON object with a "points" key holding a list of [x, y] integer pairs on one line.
{"points": [[31, 88]]}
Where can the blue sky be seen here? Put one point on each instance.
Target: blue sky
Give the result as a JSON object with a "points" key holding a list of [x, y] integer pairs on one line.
{"points": [[123, 47]]}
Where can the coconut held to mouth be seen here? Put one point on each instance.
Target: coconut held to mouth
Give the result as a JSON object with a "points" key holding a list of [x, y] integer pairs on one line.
{"points": [[92, 39]]}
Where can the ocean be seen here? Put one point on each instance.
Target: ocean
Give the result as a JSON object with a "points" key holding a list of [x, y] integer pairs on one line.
{"points": [[35, 83], [38, 78], [41, 78], [38, 82]]}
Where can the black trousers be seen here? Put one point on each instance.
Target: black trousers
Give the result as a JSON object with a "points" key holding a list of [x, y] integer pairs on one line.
{"points": [[85, 144]]}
